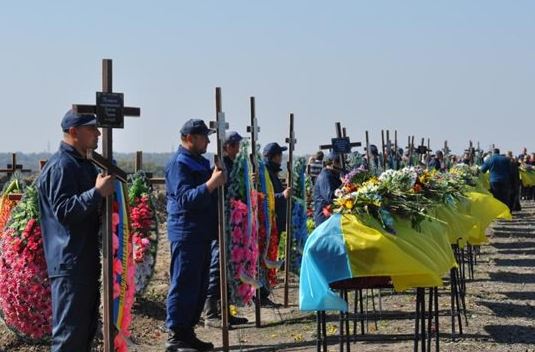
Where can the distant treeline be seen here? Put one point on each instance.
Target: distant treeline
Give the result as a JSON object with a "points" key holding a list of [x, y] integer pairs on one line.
{"points": [[152, 162]]}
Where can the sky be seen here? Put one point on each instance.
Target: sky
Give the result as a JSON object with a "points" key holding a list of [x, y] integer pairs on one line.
{"points": [[444, 70]]}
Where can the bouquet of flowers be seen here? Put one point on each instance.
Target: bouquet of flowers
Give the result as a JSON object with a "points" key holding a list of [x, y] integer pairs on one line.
{"points": [[468, 174], [144, 225], [25, 299], [299, 218], [242, 231], [395, 192], [15, 185], [267, 232]]}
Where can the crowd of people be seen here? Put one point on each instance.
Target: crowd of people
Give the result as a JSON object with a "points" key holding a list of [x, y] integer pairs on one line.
{"points": [[71, 192], [504, 171]]}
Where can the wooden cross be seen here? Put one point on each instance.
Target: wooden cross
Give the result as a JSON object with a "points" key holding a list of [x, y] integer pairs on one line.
{"points": [[383, 159], [446, 150], [253, 129], [221, 126], [291, 146], [470, 151], [422, 150], [397, 157], [18, 196], [138, 166], [14, 167], [410, 149], [367, 150], [110, 114], [341, 145]]}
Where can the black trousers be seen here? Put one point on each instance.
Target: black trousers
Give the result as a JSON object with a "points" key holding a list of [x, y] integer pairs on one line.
{"points": [[74, 314], [502, 192]]}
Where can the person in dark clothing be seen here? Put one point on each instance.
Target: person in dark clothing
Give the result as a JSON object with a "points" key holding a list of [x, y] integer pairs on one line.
{"points": [[212, 307], [437, 163], [375, 161], [191, 227], [315, 165], [500, 176], [273, 159], [70, 194], [328, 181], [515, 183]]}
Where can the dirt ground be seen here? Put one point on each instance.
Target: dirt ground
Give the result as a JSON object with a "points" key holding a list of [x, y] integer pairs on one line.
{"points": [[500, 302]]}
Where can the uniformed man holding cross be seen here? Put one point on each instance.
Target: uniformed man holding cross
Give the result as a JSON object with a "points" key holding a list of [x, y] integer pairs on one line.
{"points": [[70, 194], [191, 226]]}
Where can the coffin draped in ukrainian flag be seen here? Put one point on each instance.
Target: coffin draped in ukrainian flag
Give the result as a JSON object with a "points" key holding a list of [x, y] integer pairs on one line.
{"points": [[348, 246], [485, 208], [469, 217]]}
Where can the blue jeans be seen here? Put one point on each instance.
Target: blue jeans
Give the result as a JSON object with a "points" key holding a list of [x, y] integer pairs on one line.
{"points": [[189, 273], [74, 314]]}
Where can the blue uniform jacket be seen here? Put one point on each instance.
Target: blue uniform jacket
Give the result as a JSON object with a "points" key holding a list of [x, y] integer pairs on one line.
{"points": [[278, 188], [328, 181], [191, 208], [69, 215], [499, 167]]}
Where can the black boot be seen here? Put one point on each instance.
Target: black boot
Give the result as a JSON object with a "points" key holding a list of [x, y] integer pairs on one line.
{"points": [[177, 342], [212, 317], [234, 320], [200, 345], [185, 340]]}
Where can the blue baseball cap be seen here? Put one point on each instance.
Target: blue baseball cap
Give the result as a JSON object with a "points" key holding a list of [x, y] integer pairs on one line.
{"points": [[232, 137], [72, 119], [332, 156], [272, 149], [195, 126]]}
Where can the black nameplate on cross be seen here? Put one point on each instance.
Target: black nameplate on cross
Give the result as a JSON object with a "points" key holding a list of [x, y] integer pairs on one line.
{"points": [[341, 145]]}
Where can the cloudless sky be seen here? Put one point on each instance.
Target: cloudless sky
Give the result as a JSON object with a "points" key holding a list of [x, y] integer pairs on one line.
{"points": [[455, 70]]}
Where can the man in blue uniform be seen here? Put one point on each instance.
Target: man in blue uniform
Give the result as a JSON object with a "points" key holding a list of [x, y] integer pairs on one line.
{"points": [[500, 176], [328, 181], [191, 226], [70, 194], [212, 308]]}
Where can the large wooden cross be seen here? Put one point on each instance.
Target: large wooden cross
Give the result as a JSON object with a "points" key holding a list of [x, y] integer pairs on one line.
{"points": [[138, 166], [221, 126], [471, 152], [341, 145], [110, 112], [14, 167], [291, 146], [383, 149], [253, 129], [410, 150]]}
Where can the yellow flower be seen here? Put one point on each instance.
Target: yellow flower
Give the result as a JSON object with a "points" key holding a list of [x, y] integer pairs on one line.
{"points": [[372, 181], [348, 203]]}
